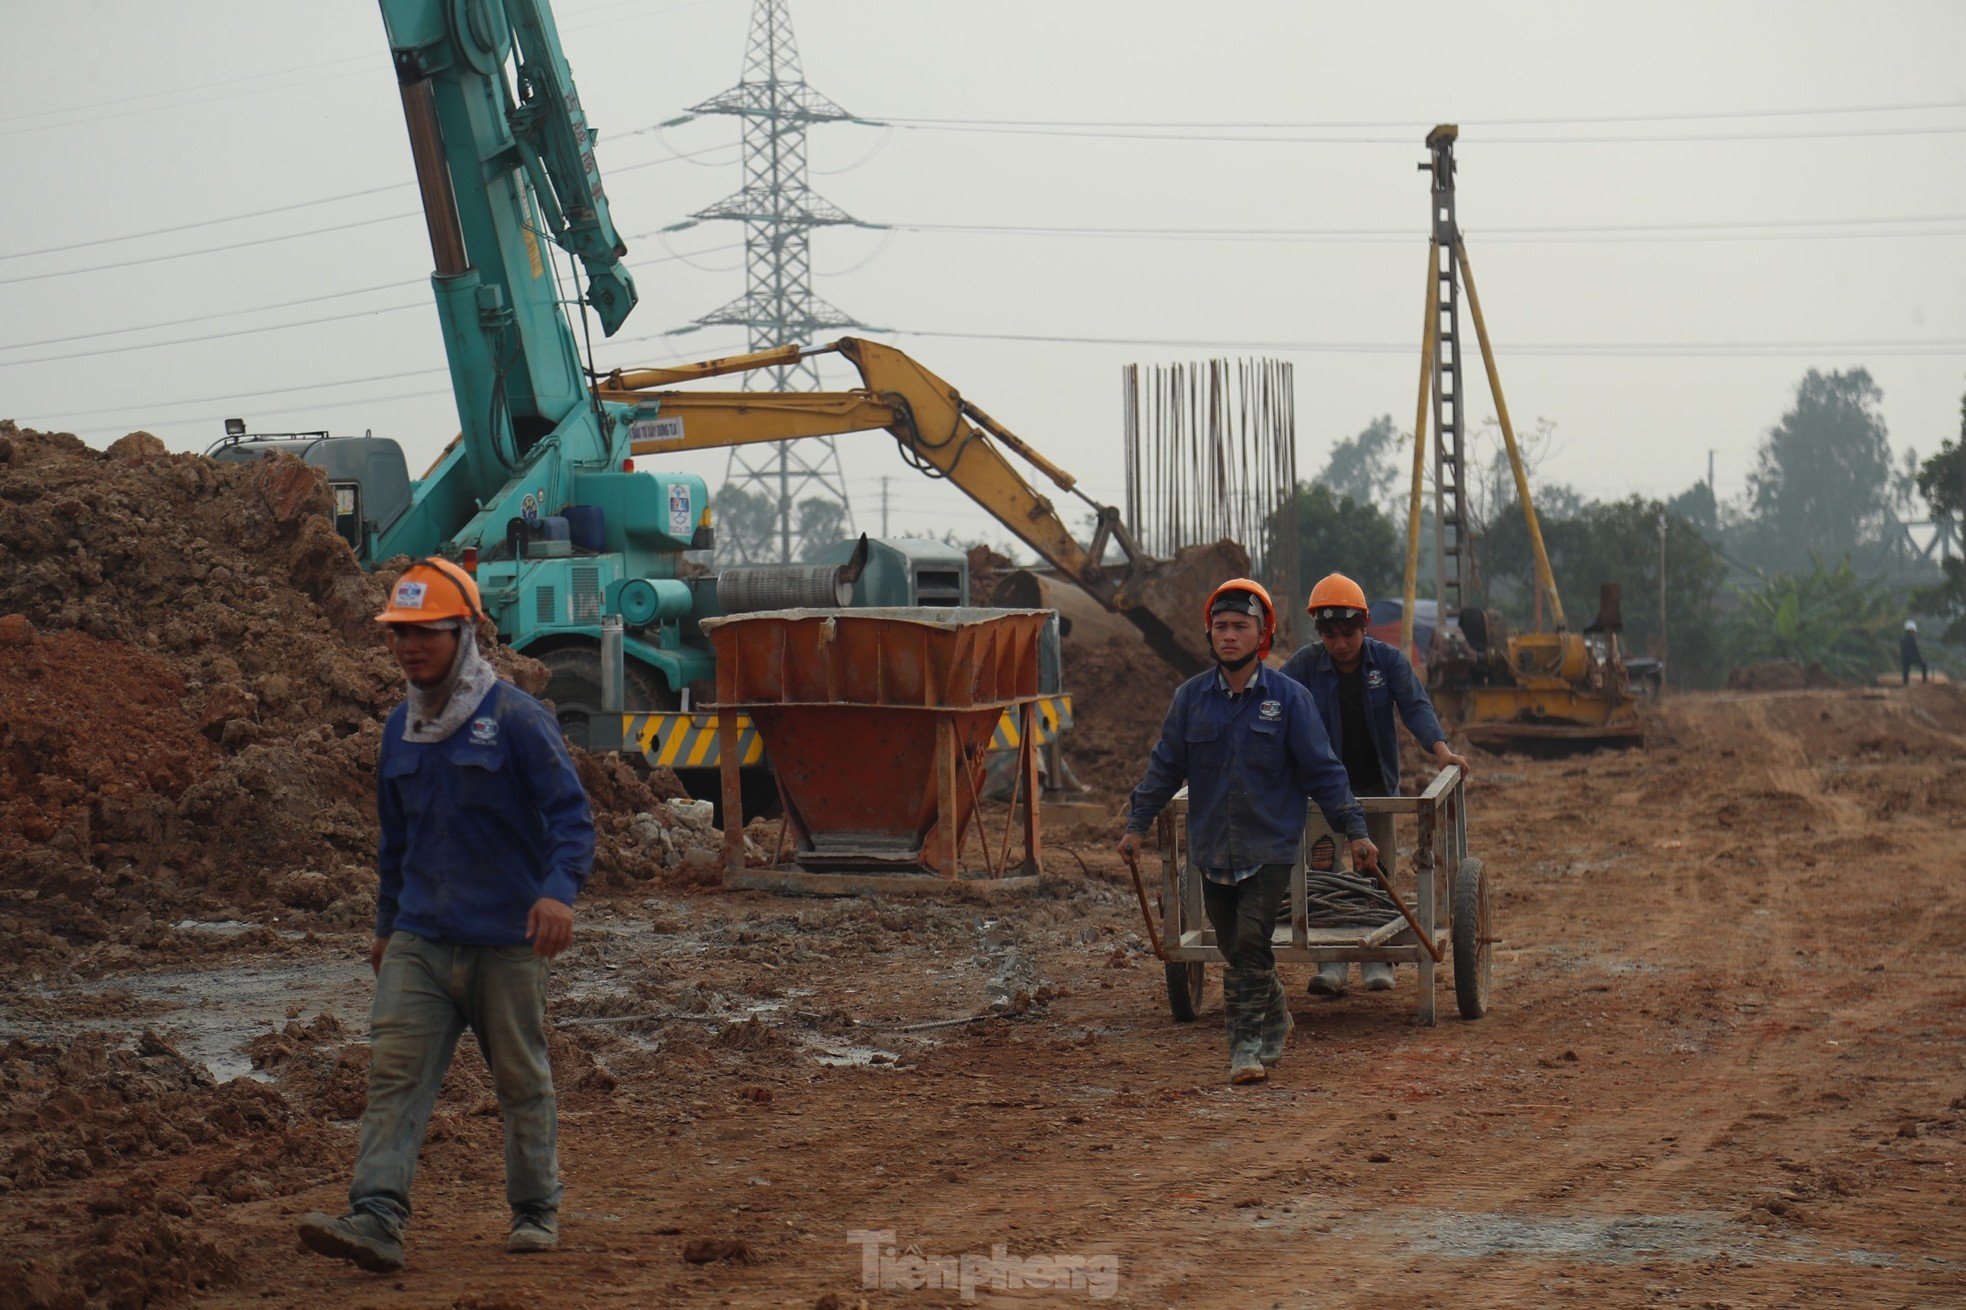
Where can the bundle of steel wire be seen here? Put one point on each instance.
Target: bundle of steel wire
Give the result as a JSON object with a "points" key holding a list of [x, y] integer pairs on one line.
{"points": [[1339, 899]]}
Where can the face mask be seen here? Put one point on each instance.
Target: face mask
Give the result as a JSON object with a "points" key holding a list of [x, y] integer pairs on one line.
{"points": [[1231, 666]]}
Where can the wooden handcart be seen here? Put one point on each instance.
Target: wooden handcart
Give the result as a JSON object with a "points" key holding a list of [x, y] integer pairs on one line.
{"points": [[1448, 917]]}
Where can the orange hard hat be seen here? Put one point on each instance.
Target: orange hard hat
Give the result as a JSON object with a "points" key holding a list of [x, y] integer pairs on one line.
{"points": [[1337, 597], [1249, 587], [431, 591]]}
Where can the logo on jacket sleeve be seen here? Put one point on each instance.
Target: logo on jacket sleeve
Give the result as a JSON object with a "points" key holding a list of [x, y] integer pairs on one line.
{"points": [[1374, 678], [484, 731], [1270, 709]]}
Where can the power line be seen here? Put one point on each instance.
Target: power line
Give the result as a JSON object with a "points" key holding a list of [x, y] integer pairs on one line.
{"points": [[1919, 106], [282, 209], [205, 318], [212, 250], [1605, 350], [287, 81], [260, 330], [1775, 229], [205, 222], [1271, 138], [273, 327], [269, 391], [147, 406]]}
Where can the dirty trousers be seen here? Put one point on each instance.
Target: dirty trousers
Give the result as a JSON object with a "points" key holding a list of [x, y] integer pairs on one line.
{"points": [[1244, 914], [426, 994]]}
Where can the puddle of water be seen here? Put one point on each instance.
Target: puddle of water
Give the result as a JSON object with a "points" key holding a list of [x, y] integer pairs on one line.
{"points": [[1601, 1238], [211, 1014], [845, 1055], [1616, 1239], [215, 927]]}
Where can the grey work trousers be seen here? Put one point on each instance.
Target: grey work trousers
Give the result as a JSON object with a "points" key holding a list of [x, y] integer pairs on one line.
{"points": [[426, 994], [1244, 914]]}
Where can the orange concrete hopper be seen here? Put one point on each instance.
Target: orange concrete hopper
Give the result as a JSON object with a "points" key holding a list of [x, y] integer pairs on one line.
{"points": [[876, 722]]}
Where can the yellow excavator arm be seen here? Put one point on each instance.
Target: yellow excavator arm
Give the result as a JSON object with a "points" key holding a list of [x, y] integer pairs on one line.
{"points": [[941, 434]]}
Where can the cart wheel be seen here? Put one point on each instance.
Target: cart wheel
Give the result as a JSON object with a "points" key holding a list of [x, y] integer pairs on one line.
{"points": [[1185, 984], [1474, 961]]}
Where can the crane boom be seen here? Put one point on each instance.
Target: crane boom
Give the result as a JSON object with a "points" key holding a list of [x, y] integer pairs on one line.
{"points": [[505, 164]]}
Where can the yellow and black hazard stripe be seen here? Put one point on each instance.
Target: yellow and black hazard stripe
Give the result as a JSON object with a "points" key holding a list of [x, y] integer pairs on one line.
{"points": [[689, 741], [1054, 715]]}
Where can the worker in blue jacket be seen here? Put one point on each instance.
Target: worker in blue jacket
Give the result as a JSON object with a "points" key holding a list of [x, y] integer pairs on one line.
{"points": [[487, 838], [1249, 745], [1358, 683]]}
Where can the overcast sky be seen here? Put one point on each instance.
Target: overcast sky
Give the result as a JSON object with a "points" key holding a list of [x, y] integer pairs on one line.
{"points": [[1668, 223]]}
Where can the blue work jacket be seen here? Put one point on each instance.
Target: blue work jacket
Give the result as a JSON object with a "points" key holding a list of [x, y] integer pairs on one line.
{"points": [[478, 826], [1249, 761], [1389, 685]]}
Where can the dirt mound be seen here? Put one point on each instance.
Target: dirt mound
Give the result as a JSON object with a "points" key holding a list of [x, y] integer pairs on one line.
{"points": [[986, 568], [91, 1107], [1780, 675], [1120, 693], [191, 723]]}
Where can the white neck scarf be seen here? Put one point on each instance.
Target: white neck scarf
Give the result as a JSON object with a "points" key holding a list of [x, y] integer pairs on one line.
{"points": [[437, 712]]}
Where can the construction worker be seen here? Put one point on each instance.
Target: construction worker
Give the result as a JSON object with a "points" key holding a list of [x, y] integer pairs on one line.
{"points": [[487, 838], [1357, 682], [1908, 654], [1251, 748]]}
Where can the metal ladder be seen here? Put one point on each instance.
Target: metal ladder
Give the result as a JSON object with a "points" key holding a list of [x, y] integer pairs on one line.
{"points": [[1451, 557]]}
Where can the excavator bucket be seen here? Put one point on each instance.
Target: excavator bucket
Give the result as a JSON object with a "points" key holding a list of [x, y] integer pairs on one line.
{"points": [[1165, 600]]}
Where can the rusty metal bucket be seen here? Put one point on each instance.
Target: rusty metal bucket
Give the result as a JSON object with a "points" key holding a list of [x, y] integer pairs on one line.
{"points": [[876, 722]]}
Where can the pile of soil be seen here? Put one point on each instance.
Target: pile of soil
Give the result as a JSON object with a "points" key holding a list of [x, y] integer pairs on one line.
{"points": [[1780, 675], [193, 711], [93, 1107], [986, 569], [1120, 693]]}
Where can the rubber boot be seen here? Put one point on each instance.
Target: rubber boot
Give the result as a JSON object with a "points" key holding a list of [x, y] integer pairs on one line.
{"points": [[1378, 976], [1246, 995], [1277, 1022], [1329, 980]]}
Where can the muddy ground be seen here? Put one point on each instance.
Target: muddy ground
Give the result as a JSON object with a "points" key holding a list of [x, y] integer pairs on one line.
{"points": [[1723, 1069]]}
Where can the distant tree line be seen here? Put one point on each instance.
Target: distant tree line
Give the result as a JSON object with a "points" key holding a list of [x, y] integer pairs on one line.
{"points": [[1808, 564]]}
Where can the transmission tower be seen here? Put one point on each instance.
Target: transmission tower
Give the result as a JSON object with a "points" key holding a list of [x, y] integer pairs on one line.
{"points": [[779, 211]]}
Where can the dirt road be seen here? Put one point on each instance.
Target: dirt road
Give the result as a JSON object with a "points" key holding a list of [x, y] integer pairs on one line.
{"points": [[1723, 1069]]}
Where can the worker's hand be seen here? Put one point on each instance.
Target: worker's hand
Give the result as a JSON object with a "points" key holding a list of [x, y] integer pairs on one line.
{"points": [[549, 927], [1444, 756], [376, 948], [1129, 847], [1364, 854]]}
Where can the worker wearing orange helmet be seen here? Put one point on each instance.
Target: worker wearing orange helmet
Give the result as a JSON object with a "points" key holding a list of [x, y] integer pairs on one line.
{"points": [[487, 838], [1358, 683], [1251, 748]]}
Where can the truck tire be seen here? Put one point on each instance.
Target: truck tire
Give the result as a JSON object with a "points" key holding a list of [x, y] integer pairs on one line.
{"points": [[573, 685]]}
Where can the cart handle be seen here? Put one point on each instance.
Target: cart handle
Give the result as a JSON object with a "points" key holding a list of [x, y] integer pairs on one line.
{"points": [[1425, 938], [1147, 915]]}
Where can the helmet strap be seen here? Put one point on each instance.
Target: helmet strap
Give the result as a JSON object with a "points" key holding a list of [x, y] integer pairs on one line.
{"points": [[1236, 665]]}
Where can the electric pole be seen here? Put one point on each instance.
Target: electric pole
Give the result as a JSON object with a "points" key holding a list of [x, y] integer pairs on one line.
{"points": [[1662, 588], [779, 211]]}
